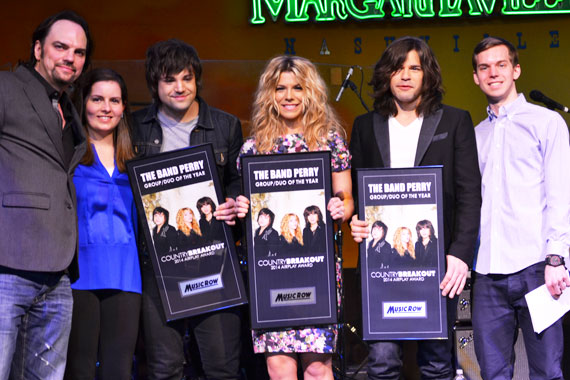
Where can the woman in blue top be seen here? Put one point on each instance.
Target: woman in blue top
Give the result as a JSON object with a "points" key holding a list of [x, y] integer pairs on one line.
{"points": [[107, 296]]}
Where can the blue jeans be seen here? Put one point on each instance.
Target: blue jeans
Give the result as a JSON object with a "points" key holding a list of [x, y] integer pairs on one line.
{"points": [[35, 320], [499, 308]]}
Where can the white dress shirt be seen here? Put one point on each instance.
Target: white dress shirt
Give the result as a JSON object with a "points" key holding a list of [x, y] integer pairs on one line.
{"points": [[524, 157]]}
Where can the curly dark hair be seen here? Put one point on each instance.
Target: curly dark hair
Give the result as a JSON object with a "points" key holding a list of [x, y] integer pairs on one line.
{"points": [[169, 58], [391, 61]]}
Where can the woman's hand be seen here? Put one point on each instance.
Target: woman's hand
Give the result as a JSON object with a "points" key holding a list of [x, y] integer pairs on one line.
{"points": [[336, 208], [358, 229], [342, 189], [241, 206]]}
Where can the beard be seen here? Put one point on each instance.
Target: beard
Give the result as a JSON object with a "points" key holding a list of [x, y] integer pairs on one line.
{"points": [[67, 80], [53, 74]]}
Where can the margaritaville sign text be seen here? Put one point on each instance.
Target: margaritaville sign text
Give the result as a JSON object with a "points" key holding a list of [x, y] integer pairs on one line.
{"points": [[333, 10]]}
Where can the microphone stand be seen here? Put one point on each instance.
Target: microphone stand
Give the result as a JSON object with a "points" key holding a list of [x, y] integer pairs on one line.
{"points": [[355, 90], [342, 325], [353, 87], [341, 336]]}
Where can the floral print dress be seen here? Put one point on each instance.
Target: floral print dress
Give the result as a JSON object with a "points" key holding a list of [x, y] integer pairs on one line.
{"points": [[317, 339]]}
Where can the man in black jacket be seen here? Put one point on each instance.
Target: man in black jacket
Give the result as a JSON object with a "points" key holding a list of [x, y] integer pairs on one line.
{"points": [[41, 144], [179, 118], [410, 127]]}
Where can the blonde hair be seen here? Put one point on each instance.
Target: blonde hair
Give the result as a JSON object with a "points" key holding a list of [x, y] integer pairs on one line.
{"points": [[286, 232], [318, 119], [182, 225], [399, 247]]}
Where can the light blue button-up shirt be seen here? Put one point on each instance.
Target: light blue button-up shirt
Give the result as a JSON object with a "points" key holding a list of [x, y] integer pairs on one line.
{"points": [[524, 157]]}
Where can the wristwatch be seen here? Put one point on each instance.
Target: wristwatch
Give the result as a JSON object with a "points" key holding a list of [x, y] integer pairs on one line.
{"points": [[554, 260]]}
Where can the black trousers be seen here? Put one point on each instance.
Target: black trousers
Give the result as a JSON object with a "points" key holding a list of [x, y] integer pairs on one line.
{"points": [[434, 357], [104, 328], [217, 335]]}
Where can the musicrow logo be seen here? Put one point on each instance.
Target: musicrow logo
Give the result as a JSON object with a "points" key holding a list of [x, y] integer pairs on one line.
{"points": [[200, 285], [293, 296], [415, 309]]}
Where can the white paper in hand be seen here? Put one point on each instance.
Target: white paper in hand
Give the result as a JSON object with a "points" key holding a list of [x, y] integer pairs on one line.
{"points": [[544, 309]]}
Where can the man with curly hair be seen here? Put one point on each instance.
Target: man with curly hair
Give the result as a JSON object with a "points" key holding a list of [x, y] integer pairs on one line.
{"points": [[410, 127], [179, 118]]}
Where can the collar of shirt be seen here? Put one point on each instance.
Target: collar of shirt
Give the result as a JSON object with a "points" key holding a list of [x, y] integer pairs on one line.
{"points": [[507, 109], [491, 114], [51, 92], [203, 115], [55, 96]]}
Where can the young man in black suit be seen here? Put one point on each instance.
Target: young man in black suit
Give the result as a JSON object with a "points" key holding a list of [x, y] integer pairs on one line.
{"points": [[410, 127]]}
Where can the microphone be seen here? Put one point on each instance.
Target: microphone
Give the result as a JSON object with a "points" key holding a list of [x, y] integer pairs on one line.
{"points": [[344, 84], [538, 96]]}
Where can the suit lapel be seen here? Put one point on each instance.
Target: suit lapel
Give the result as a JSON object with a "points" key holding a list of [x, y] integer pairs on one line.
{"points": [[427, 131], [79, 148], [382, 135], [36, 93]]}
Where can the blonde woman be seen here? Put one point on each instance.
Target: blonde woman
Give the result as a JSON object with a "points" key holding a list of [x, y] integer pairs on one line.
{"points": [[189, 234], [291, 236], [403, 247], [291, 114]]}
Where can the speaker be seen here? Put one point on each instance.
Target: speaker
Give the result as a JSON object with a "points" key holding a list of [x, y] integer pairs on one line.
{"points": [[464, 306], [464, 302], [466, 359]]}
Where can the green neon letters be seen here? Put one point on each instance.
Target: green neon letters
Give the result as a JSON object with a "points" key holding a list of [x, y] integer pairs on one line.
{"points": [[333, 10]]}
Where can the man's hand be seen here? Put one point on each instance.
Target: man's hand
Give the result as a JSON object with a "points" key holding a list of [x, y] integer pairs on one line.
{"points": [[358, 229], [242, 206], [226, 212], [556, 279], [455, 277]]}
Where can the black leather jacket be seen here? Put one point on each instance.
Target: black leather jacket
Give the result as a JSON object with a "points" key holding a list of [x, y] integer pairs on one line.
{"points": [[214, 126]]}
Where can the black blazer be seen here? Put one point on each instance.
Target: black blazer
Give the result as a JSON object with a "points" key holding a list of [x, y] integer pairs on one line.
{"points": [[447, 138], [38, 213]]}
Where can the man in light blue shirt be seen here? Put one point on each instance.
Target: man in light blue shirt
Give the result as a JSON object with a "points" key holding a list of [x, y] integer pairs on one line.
{"points": [[524, 154]]}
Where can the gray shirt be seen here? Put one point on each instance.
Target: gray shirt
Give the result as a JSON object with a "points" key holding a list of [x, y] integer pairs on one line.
{"points": [[175, 135]]}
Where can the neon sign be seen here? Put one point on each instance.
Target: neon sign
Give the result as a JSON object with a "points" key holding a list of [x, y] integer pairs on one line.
{"points": [[333, 10]]}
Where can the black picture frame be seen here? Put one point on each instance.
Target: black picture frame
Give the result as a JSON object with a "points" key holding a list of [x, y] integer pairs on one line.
{"points": [[195, 265], [400, 279], [289, 284]]}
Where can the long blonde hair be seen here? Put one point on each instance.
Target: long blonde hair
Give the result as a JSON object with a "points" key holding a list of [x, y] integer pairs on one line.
{"points": [[286, 232], [182, 225], [319, 118], [399, 246]]}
